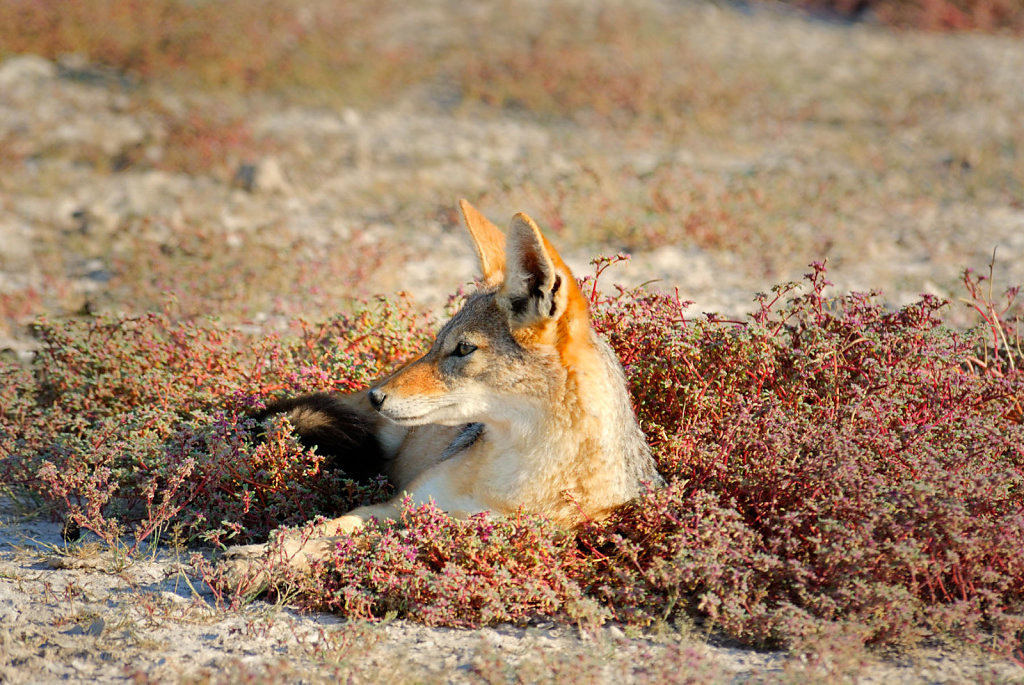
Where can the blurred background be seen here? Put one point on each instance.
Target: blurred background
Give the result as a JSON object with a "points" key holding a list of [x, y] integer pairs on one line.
{"points": [[258, 160]]}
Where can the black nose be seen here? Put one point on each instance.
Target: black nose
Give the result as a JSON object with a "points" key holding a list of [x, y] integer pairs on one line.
{"points": [[377, 398]]}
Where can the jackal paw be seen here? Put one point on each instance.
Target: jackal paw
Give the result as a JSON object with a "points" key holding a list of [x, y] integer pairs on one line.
{"points": [[244, 569], [240, 552], [249, 569], [346, 524]]}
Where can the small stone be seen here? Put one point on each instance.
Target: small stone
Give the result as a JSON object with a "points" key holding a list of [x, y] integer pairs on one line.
{"points": [[265, 176], [351, 117], [25, 69]]}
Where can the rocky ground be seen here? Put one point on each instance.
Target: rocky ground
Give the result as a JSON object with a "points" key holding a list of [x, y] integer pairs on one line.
{"points": [[895, 156]]}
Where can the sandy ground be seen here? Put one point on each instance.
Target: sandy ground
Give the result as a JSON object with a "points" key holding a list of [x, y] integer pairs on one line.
{"points": [[890, 155], [85, 617]]}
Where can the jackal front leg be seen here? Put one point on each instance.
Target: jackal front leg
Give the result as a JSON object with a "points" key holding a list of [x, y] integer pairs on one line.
{"points": [[248, 562]]}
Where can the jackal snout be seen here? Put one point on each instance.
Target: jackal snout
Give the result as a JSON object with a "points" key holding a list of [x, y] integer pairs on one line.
{"points": [[376, 397], [415, 394]]}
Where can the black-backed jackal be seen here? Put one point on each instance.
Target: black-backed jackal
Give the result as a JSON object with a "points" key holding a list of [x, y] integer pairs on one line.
{"points": [[518, 403]]}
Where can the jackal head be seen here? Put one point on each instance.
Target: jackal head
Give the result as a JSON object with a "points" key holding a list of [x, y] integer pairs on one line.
{"points": [[510, 350]]}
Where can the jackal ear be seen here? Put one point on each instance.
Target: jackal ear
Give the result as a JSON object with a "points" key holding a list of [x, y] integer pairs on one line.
{"points": [[489, 242], [534, 289]]}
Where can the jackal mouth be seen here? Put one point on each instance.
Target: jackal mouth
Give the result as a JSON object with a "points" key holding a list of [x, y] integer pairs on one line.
{"points": [[406, 420], [429, 416]]}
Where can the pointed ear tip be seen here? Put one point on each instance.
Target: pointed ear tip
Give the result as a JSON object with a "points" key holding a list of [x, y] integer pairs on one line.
{"points": [[523, 220]]}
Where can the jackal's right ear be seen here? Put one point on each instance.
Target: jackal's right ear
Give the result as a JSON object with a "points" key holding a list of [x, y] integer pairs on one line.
{"points": [[535, 287], [489, 242]]}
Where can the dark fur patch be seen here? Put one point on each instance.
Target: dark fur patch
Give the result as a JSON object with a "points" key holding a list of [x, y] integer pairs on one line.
{"points": [[341, 434], [534, 269], [466, 438], [519, 305], [554, 292]]}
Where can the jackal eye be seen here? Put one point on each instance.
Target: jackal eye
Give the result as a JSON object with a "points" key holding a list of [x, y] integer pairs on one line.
{"points": [[463, 349]]}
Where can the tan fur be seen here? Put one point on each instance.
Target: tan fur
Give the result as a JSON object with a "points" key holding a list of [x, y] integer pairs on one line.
{"points": [[518, 403], [489, 242]]}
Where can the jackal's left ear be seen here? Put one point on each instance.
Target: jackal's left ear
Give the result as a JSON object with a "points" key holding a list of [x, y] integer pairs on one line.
{"points": [[489, 242], [534, 289]]}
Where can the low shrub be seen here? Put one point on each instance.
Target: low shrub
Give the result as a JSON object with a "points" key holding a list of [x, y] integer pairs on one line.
{"points": [[934, 15], [835, 467], [140, 423], [831, 460], [234, 44]]}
